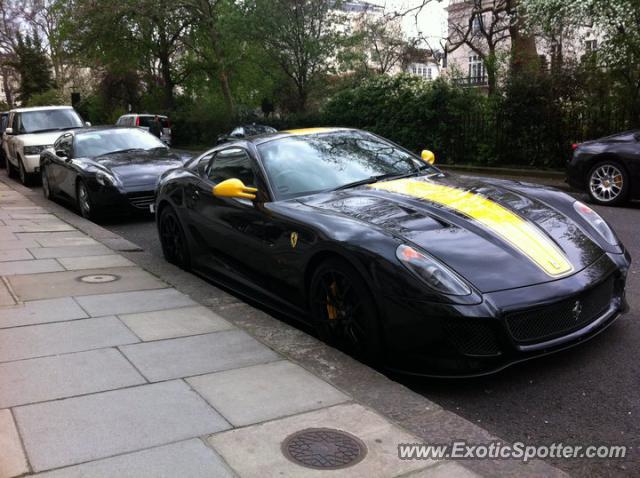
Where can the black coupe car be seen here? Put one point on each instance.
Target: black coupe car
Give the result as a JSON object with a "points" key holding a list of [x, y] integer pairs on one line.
{"points": [[106, 170], [388, 257], [608, 169], [245, 131]]}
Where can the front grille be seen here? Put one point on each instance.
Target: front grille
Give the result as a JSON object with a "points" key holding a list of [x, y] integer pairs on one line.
{"points": [[472, 338], [141, 201], [561, 318]]}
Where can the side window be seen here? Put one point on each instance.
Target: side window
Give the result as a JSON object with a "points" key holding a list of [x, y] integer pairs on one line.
{"points": [[64, 144], [16, 123], [232, 163]]}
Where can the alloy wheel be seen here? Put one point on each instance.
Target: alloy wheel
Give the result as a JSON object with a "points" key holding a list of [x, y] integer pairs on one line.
{"points": [[606, 183], [45, 184], [173, 241], [84, 202], [341, 311]]}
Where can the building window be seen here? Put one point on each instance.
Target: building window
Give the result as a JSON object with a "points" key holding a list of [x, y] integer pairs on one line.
{"points": [[591, 46], [477, 70], [423, 71]]}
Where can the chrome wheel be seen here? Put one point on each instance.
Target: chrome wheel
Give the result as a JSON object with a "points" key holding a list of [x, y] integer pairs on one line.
{"points": [[606, 183], [45, 184], [84, 202]]}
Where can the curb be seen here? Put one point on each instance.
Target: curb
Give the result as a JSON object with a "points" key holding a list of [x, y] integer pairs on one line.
{"points": [[395, 402]]}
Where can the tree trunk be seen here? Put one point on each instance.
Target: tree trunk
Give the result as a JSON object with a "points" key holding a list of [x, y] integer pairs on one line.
{"points": [[7, 87], [524, 54], [167, 81], [226, 91]]}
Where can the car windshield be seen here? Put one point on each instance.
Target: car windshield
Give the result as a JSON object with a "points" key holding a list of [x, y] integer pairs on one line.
{"points": [[49, 120], [98, 143], [300, 165]]}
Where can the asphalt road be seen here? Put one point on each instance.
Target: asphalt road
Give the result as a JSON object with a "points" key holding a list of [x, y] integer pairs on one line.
{"points": [[584, 396]]}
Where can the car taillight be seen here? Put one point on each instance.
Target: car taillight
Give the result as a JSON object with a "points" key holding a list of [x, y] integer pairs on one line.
{"points": [[137, 120], [574, 146]]}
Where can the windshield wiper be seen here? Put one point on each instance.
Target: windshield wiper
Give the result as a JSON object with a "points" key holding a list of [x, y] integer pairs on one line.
{"points": [[375, 179]]}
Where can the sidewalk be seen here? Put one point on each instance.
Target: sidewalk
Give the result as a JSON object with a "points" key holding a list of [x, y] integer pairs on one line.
{"points": [[106, 370]]}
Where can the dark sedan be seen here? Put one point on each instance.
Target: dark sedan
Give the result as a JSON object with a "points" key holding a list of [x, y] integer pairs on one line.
{"points": [[245, 131], [607, 169], [388, 257], [108, 170]]}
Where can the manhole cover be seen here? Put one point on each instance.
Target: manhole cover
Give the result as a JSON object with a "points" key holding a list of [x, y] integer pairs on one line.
{"points": [[324, 449], [98, 278]]}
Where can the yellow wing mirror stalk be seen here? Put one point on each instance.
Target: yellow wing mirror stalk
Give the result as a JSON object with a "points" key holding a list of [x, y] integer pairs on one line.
{"points": [[234, 188], [428, 156]]}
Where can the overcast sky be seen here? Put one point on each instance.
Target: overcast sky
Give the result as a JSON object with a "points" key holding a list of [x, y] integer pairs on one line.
{"points": [[431, 21]]}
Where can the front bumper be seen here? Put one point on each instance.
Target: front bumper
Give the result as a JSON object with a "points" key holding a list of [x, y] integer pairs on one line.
{"points": [[111, 200], [434, 339]]}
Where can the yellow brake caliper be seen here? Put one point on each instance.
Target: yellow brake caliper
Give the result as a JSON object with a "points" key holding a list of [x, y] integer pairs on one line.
{"points": [[331, 309]]}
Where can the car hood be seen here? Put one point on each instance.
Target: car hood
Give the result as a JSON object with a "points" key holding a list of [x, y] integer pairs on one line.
{"points": [[142, 168], [494, 235], [40, 139]]}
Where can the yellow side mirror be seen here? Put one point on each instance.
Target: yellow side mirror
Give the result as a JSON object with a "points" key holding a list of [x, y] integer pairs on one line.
{"points": [[234, 188], [428, 156]]}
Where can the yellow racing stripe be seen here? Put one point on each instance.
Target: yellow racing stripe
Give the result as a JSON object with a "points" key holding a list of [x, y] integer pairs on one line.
{"points": [[306, 131], [519, 233]]}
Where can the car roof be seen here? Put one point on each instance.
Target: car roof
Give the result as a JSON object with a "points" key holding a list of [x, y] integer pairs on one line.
{"points": [[40, 108], [263, 138]]}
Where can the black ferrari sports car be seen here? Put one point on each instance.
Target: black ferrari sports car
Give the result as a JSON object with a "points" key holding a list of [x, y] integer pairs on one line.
{"points": [[608, 169], [388, 257], [245, 131], [109, 170]]}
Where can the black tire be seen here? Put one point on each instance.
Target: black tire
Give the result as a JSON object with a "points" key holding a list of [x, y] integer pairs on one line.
{"points": [[608, 183], [25, 178], [344, 312], [84, 203], [173, 239], [11, 172], [46, 188]]}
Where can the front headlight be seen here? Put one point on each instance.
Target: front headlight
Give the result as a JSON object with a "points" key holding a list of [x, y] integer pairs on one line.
{"points": [[435, 274], [35, 149], [105, 179], [597, 222]]}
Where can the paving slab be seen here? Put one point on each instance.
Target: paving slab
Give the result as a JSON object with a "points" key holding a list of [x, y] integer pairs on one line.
{"points": [[40, 312], [70, 251], [95, 262], [185, 459], [14, 255], [6, 297], [62, 376], [12, 459], [255, 451], [47, 228], [65, 240], [166, 324], [63, 337], [131, 302], [37, 236], [187, 356], [35, 266], [76, 430], [445, 469], [70, 283], [8, 244], [263, 392]]}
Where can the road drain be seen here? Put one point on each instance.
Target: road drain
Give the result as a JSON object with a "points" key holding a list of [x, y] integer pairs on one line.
{"points": [[324, 449], [98, 278]]}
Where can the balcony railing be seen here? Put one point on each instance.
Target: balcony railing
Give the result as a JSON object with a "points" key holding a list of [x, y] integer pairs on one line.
{"points": [[472, 81]]}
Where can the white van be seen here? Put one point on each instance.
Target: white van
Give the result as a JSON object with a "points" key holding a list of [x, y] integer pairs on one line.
{"points": [[144, 120]]}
